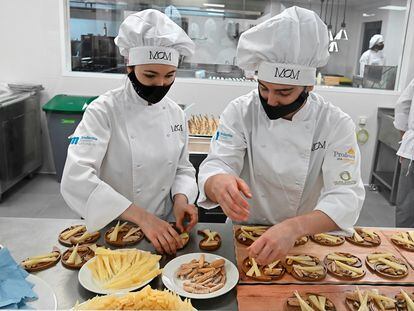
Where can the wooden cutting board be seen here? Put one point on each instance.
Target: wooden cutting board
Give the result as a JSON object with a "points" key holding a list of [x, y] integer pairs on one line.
{"points": [[320, 251], [274, 297]]}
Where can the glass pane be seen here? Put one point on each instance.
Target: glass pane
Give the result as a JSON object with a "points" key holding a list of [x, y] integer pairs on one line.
{"points": [[216, 25]]}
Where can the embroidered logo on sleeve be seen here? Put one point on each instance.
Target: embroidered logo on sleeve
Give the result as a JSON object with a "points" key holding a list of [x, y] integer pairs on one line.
{"points": [[346, 179], [177, 128], [83, 140], [223, 136], [319, 145], [347, 156]]}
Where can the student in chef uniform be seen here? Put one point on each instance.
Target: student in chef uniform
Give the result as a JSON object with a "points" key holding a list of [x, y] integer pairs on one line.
{"points": [[284, 156], [128, 157], [404, 121], [374, 55]]}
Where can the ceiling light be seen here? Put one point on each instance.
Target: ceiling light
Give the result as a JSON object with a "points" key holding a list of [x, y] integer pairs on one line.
{"points": [[393, 8], [214, 5], [367, 15], [215, 10], [333, 47]]}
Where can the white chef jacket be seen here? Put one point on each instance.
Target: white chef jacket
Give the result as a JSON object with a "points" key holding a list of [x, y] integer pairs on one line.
{"points": [[371, 57], [404, 121], [291, 167], [126, 151]]}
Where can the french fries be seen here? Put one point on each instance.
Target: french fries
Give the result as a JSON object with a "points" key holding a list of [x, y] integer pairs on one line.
{"points": [[123, 269], [328, 239], [145, 299], [387, 264], [344, 265], [202, 277]]}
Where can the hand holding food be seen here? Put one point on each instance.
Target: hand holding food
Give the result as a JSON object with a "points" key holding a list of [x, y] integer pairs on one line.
{"points": [[184, 211], [123, 269], [202, 277], [145, 299], [211, 240], [41, 262], [184, 236]]}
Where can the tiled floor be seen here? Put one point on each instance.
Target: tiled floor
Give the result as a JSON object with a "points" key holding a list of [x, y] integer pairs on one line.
{"points": [[40, 198]]}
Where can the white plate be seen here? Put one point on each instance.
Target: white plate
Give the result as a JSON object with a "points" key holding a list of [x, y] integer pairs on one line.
{"points": [[175, 284], [47, 298], [86, 280]]}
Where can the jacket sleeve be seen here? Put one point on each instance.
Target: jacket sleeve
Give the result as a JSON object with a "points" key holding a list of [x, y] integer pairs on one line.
{"points": [[403, 107], [227, 151], [85, 193], [184, 181], [362, 62], [343, 192]]}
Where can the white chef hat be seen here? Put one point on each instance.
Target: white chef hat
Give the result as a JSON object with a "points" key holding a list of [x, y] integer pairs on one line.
{"points": [[287, 48], [150, 37], [375, 39]]}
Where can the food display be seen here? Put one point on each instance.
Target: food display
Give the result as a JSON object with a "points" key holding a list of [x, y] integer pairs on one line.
{"points": [[344, 265], [404, 301], [305, 267], [264, 273], [123, 235], [211, 240], [387, 265], [41, 262], [404, 240], [301, 241], [364, 237], [201, 276], [121, 269], [309, 302], [77, 235], [246, 235], [328, 239], [202, 125], [145, 299], [76, 256], [370, 300]]}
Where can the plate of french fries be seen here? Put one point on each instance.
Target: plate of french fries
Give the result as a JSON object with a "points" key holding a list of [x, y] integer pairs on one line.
{"points": [[145, 299], [200, 275], [119, 271]]}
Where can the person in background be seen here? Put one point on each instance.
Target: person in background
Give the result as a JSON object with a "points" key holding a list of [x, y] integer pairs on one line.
{"points": [[130, 158], [404, 121], [283, 156], [374, 55]]}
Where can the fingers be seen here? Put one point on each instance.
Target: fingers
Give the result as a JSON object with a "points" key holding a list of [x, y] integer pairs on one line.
{"points": [[175, 236], [256, 247], [226, 204], [179, 220], [193, 213], [166, 243], [233, 210], [157, 245], [243, 187], [264, 255], [239, 200]]}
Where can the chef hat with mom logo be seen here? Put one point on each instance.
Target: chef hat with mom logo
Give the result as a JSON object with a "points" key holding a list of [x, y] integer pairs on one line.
{"points": [[287, 48], [150, 37]]}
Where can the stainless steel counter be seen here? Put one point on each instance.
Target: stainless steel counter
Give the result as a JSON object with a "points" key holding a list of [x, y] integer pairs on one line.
{"points": [[25, 237]]}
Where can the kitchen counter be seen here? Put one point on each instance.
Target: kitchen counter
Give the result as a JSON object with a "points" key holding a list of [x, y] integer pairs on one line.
{"points": [[25, 237]]}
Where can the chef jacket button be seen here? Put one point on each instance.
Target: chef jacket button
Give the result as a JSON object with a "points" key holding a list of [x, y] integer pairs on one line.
{"points": [[168, 135], [162, 189], [163, 107], [132, 137], [263, 146], [169, 162], [139, 165], [298, 183], [138, 191], [307, 126], [263, 195]]}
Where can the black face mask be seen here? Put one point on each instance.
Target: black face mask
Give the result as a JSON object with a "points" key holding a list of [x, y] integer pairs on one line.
{"points": [[151, 93], [276, 112]]}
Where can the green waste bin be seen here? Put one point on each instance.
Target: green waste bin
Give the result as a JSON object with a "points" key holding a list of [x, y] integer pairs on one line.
{"points": [[63, 114]]}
